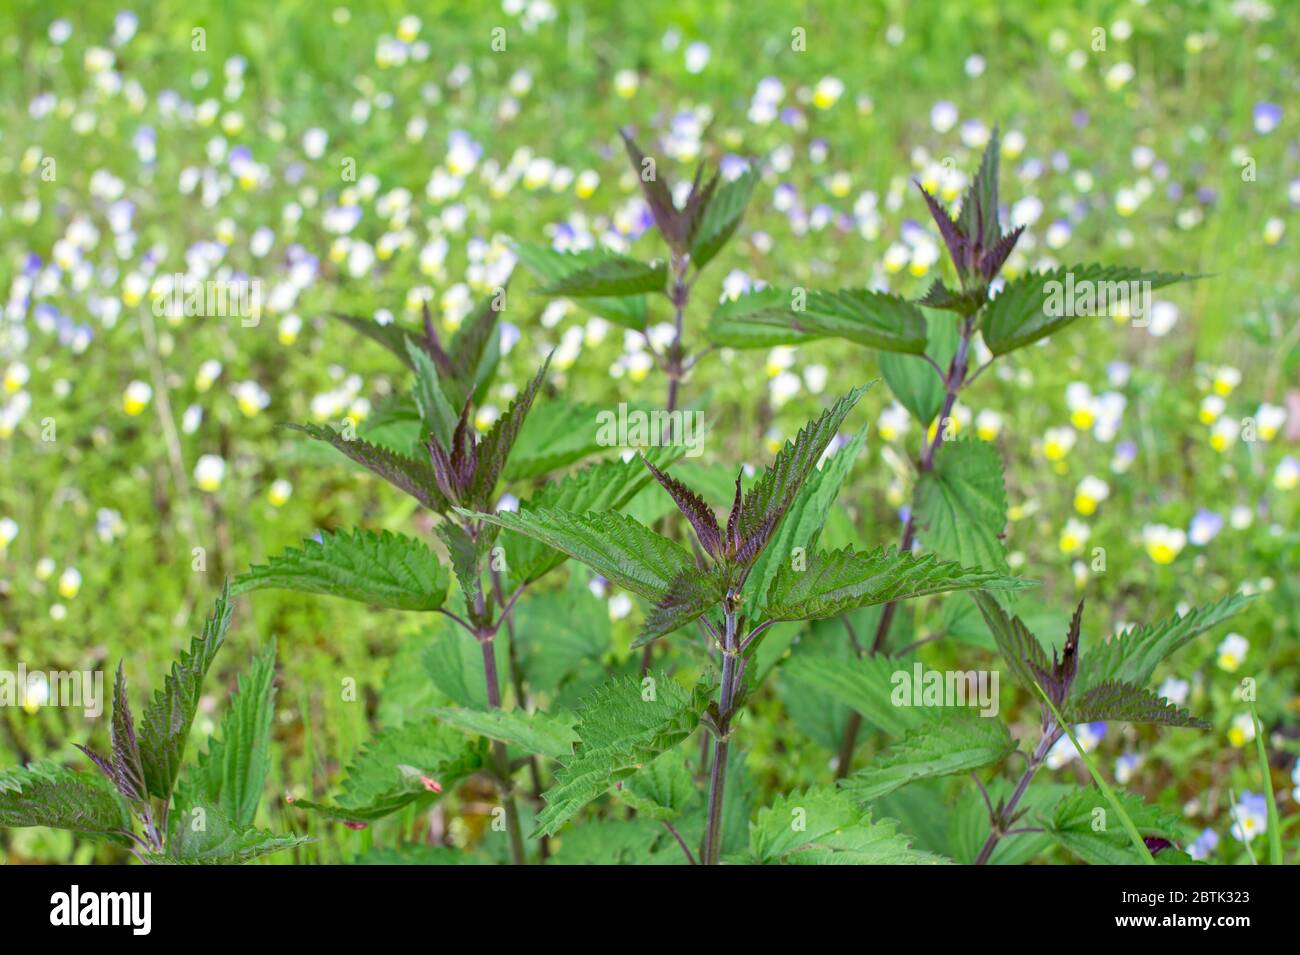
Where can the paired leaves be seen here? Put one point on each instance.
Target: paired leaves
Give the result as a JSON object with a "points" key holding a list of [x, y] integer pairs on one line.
{"points": [[45, 794]]}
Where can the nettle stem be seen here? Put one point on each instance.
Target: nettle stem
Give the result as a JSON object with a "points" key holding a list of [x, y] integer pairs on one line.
{"points": [[500, 757], [726, 700], [1000, 821], [953, 383]]}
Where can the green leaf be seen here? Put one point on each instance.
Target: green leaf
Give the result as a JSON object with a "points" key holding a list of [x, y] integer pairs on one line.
{"points": [[1020, 649], [968, 825], [560, 638], [1084, 823], [453, 663], [436, 414], [866, 684], [398, 767], [608, 486], [978, 218], [841, 580], [538, 732], [203, 835], [466, 555], [616, 547], [722, 215], [1037, 304], [553, 266], [760, 319], [475, 351], [1131, 657], [916, 385], [622, 726], [497, 444], [774, 317], [689, 596], [392, 336], [166, 723], [556, 434], [956, 743], [663, 788], [617, 842], [421, 855], [231, 773], [821, 826], [46, 794], [765, 504], [385, 570], [961, 505], [413, 475], [1123, 702], [803, 523], [608, 274]]}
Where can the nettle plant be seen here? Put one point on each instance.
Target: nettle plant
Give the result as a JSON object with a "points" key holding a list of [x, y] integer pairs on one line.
{"points": [[145, 801]]}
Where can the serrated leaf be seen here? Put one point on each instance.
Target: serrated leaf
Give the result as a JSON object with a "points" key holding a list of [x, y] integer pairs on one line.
{"points": [[610, 275], [916, 385], [688, 597], [436, 414], [1034, 306], [453, 663], [1020, 649], [721, 217], [865, 684], [804, 521], [1131, 657], [474, 351], [231, 773], [622, 726], [616, 547], [978, 219], [495, 448], [395, 770], [821, 826], [556, 434], [1084, 823], [662, 789], [204, 835], [551, 265], [410, 474], [958, 742], [384, 570], [540, 733], [166, 723], [775, 317], [46, 794], [841, 580], [961, 505], [760, 319], [1126, 703], [767, 501], [392, 336]]}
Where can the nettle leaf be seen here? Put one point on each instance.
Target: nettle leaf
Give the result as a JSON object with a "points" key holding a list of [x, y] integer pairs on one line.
{"points": [[167, 720], [804, 521], [1084, 824], [1039, 304], [841, 580], [384, 570], [822, 826], [497, 444], [46, 794], [392, 336], [1020, 649], [622, 726], [551, 265], [556, 434], [466, 554], [721, 217], [410, 474], [767, 501], [662, 789], [436, 414], [475, 350], [453, 663], [691, 594], [916, 385], [205, 835], [231, 773], [1126, 703], [783, 317], [1132, 657], [865, 684], [539, 733], [956, 743], [978, 218], [400, 766], [760, 319], [961, 504], [608, 486], [616, 547], [609, 274]]}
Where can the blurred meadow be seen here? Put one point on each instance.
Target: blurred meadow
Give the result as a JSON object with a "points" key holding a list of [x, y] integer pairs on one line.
{"points": [[141, 460]]}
